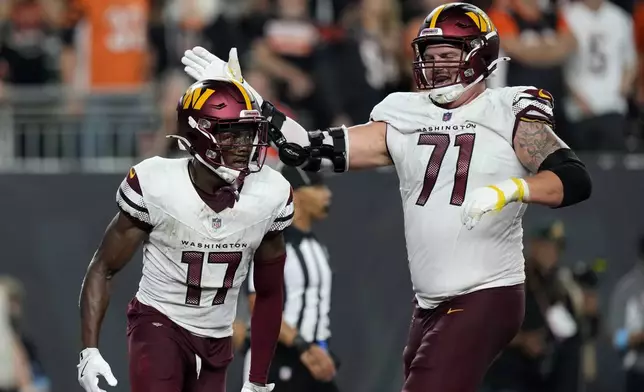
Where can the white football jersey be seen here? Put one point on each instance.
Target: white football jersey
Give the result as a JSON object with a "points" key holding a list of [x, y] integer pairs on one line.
{"points": [[440, 155], [605, 47], [195, 259]]}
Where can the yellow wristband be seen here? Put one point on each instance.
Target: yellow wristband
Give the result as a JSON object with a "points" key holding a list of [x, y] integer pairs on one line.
{"points": [[500, 203], [521, 188]]}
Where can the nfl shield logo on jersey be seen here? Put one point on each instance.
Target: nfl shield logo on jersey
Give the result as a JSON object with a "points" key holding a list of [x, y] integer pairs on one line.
{"points": [[447, 116], [216, 223]]}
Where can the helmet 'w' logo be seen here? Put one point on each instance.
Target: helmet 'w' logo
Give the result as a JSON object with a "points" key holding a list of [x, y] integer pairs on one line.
{"points": [[195, 98], [482, 21]]}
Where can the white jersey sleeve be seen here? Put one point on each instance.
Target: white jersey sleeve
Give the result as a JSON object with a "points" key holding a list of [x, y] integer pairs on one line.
{"points": [[284, 215], [525, 104], [131, 200], [404, 111], [532, 104]]}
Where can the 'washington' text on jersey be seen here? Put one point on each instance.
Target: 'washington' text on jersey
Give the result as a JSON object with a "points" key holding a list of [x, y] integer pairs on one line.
{"points": [[202, 245], [450, 127]]}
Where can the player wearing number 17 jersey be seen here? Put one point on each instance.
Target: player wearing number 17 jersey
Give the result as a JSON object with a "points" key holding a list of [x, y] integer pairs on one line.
{"points": [[468, 158], [201, 221]]}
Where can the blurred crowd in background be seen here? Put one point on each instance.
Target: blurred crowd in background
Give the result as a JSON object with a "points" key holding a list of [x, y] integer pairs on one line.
{"points": [[101, 78], [87, 79]]}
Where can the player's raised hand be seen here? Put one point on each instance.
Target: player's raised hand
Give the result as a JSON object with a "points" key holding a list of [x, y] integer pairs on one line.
{"points": [[250, 387], [200, 64], [492, 198], [90, 367]]}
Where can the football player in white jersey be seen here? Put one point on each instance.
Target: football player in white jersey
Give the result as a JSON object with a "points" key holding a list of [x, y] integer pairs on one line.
{"points": [[469, 159], [201, 221]]}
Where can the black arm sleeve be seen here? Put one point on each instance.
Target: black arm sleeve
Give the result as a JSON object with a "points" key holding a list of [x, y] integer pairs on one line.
{"points": [[572, 173]]}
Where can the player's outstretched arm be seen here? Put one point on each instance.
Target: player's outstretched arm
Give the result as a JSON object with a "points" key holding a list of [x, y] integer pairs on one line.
{"points": [[121, 240], [560, 179], [359, 147], [122, 237], [368, 144], [266, 317]]}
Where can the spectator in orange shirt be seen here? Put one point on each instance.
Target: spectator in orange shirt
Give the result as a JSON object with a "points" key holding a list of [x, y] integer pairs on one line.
{"points": [[111, 37], [106, 57]]}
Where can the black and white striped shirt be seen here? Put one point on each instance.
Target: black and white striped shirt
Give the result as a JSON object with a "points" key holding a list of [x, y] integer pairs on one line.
{"points": [[307, 285]]}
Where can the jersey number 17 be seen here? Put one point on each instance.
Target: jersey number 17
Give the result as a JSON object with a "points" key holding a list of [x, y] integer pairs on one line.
{"points": [[195, 261]]}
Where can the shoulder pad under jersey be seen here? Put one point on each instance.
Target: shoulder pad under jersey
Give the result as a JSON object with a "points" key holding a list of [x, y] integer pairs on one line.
{"points": [[407, 112], [533, 105], [132, 196]]}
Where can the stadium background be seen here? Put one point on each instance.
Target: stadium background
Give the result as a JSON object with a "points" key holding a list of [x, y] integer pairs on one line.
{"points": [[78, 108]]}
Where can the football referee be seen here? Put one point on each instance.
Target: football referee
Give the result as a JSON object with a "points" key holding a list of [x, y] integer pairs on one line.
{"points": [[302, 360]]}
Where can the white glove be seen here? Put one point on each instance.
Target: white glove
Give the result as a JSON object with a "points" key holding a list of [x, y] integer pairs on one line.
{"points": [[250, 387], [200, 64], [492, 197], [90, 367]]}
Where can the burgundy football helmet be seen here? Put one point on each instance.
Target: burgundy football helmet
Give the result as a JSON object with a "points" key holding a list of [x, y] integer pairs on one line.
{"points": [[220, 124], [465, 27]]}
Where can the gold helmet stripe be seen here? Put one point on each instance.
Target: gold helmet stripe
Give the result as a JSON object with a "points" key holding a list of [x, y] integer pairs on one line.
{"points": [[483, 22], [480, 22], [243, 91], [437, 11]]}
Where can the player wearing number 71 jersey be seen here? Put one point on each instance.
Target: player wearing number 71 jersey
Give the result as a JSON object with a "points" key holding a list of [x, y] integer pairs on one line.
{"points": [[463, 154], [201, 221]]}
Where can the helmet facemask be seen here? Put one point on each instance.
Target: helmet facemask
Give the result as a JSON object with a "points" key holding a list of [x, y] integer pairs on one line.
{"points": [[234, 147], [448, 78]]}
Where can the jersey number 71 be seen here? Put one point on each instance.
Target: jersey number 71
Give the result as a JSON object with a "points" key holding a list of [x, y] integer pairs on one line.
{"points": [[441, 142]]}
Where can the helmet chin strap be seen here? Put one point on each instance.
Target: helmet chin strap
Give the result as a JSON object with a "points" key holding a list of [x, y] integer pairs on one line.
{"points": [[227, 174], [448, 94]]}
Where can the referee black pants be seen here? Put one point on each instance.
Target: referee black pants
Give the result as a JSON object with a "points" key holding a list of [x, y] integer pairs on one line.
{"points": [[290, 375]]}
